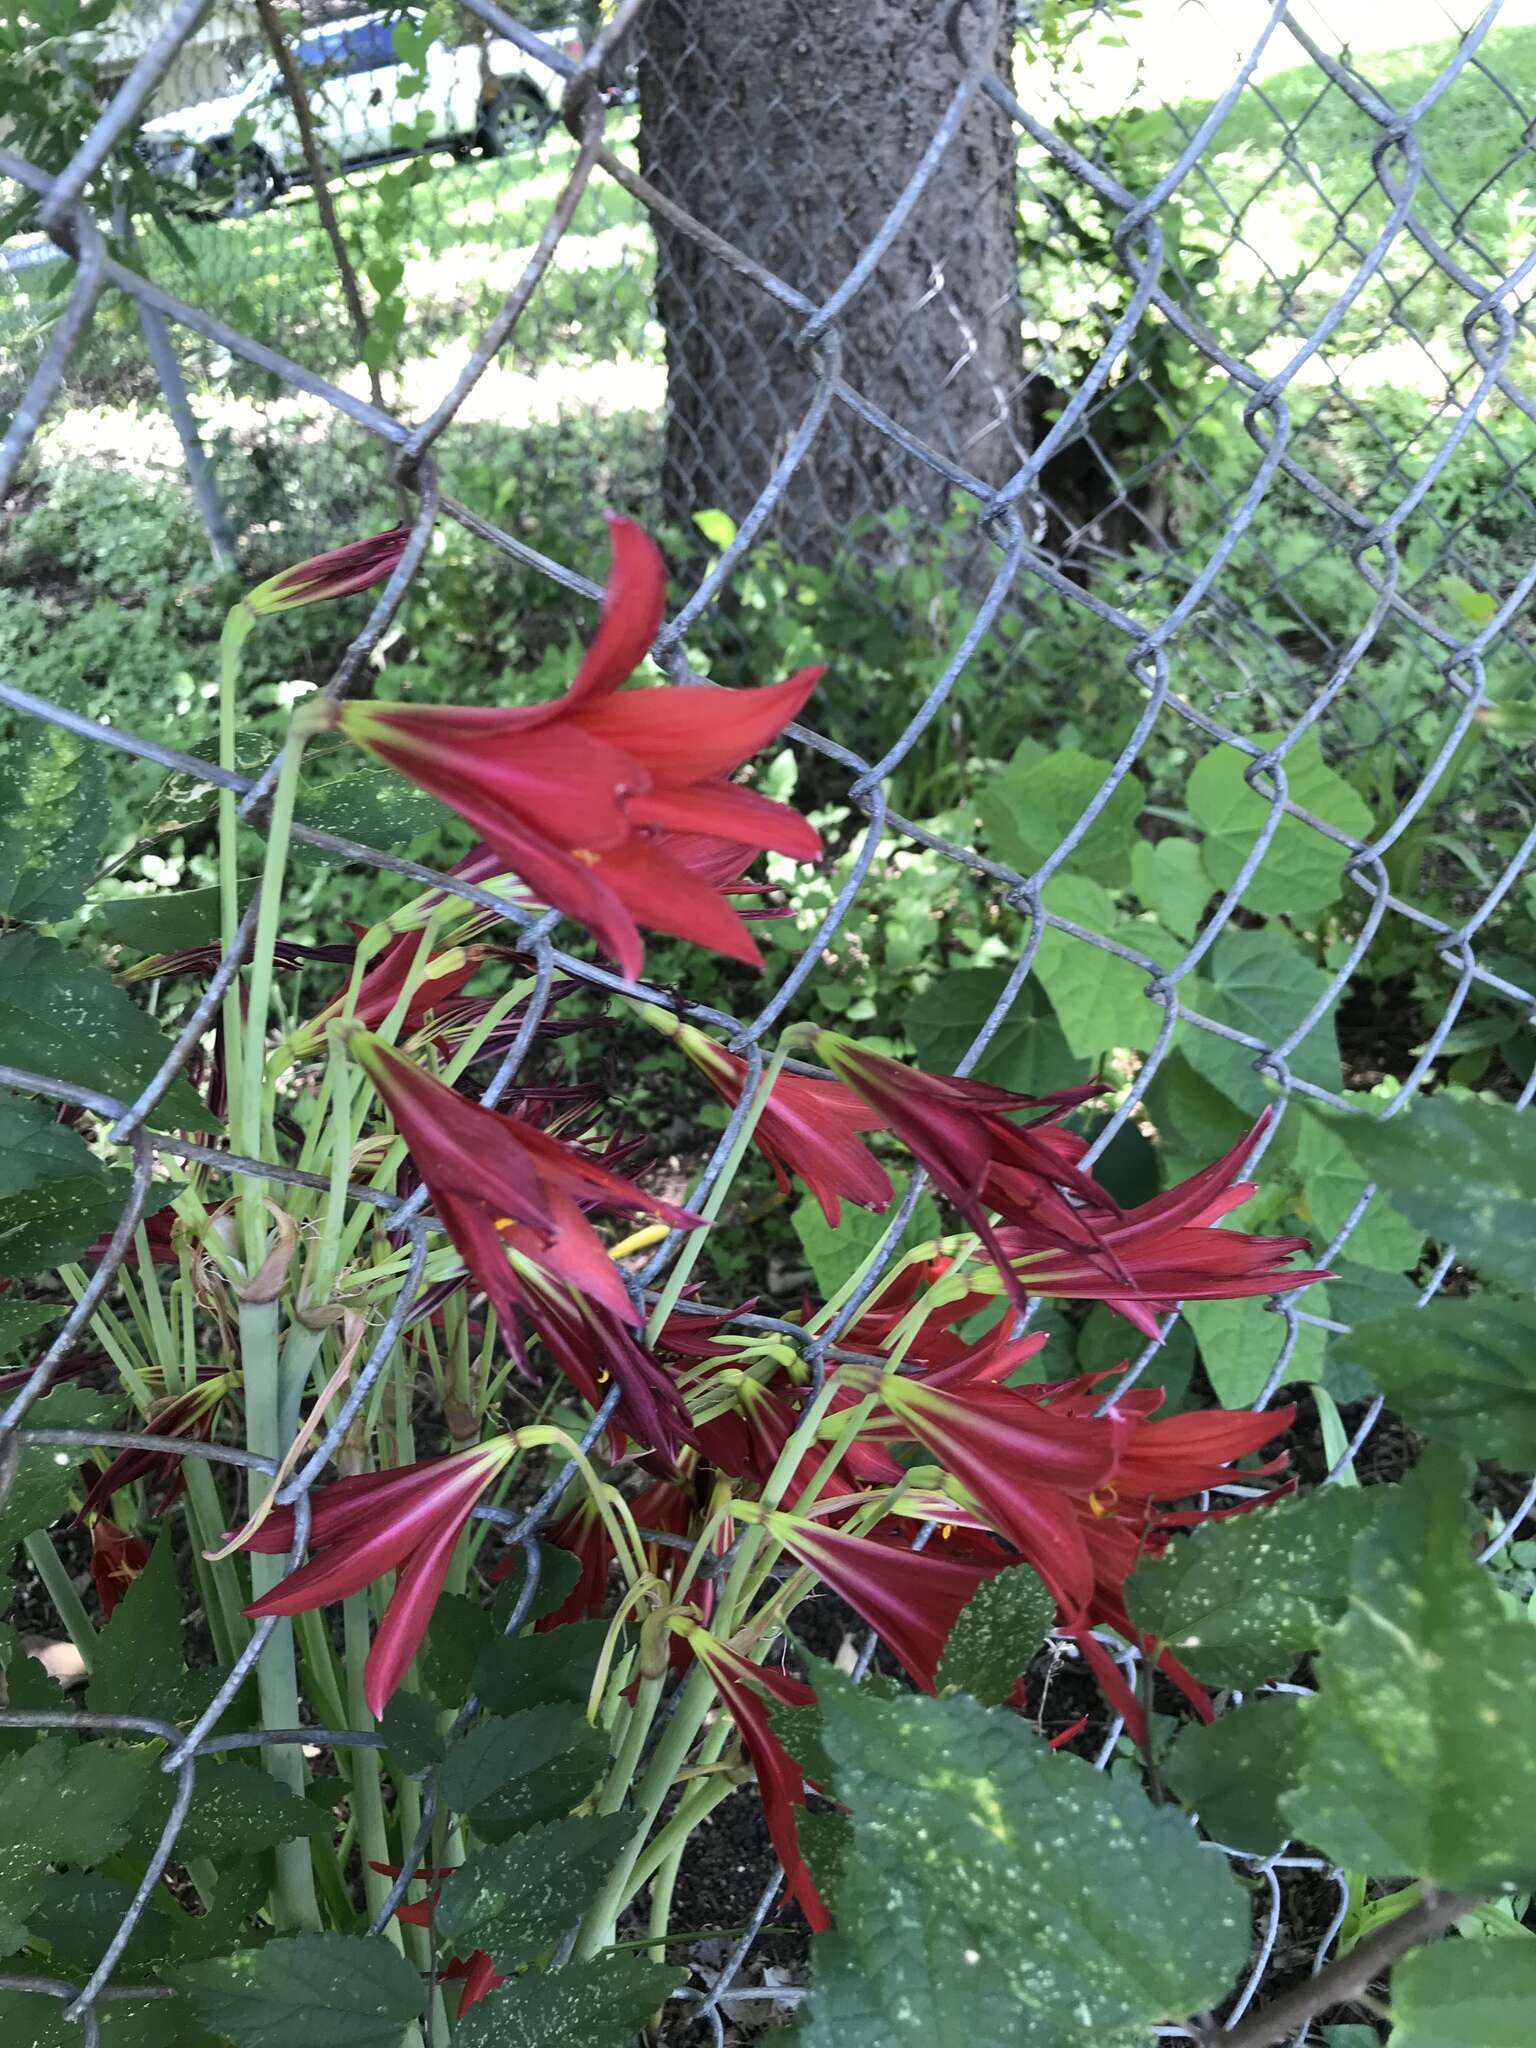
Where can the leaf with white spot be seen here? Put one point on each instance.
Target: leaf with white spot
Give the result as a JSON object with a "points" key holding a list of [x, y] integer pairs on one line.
{"points": [[1462, 1371], [1418, 1756], [519, 1898], [602, 2004], [1465, 1994], [995, 1635], [339, 1990], [996, 1892], [1234, 1771]]}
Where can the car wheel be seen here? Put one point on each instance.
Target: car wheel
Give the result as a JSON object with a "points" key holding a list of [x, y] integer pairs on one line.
{"points": [[517, 119], [233, 187]]}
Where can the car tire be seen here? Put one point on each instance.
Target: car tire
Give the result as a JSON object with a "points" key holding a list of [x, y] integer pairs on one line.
{"points": [[517, 119], [245, 184]]}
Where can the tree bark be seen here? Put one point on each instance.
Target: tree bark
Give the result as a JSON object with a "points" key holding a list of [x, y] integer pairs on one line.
{"points": [[790, 127]]}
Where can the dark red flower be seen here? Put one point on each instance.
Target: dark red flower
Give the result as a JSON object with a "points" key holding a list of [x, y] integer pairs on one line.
{"points": [[117, 1558], [339, 572], [191, 1415], [443, 975]]}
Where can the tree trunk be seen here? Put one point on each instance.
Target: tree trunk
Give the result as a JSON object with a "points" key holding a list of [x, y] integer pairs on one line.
{"points": [[790, 127]]}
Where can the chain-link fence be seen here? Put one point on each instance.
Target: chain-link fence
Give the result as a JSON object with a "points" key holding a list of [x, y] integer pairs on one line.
{"points": [[1206, 408]]}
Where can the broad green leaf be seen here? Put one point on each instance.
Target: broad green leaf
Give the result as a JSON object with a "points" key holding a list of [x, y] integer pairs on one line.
{"points": [[1461, 1170], [553, 1669], [410, 1730], [26, 1686], [1027, 1054], [558, 1760], [459, 1631], [1196, 1120], [1030, 808], [369, 805], [1332, 1181], [1302, 868], [40, 1493], [997, 1632], [1359, 1295], [1464, 1994], [1234, 1771], [1417, 1753], [139, 1667], [62, 1015], [29, 2020], [347, 1991], [1240, 1342], [1100, 1000], [60, 1802], [718, 528], [999, 1893], [558, 1573], [481, 1761], [1170, 878], [54, 814], [1239, 1601], [1462, 1371], [174, 921], [56, 1197], [21, 1319], [77, 1914], [1260, 983], [521, 1897], [602, 2004], [835, 1255], [237, 1809]]}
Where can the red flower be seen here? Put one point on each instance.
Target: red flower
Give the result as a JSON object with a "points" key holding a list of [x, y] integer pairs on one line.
{"points": [[116, 1561], [591, 1346], [406, 1520], [780, 1781], [191, 1415], [808, 1127], [573, 795], [477, 1971], [1146, 1261], [498, 1182], [338, 573], [442, 977]]}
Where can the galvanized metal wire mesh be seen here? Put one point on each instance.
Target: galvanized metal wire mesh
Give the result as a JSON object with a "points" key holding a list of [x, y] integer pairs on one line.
{"points": [[1208, 626]]}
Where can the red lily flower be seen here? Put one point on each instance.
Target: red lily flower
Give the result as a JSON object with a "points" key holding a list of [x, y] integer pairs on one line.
{"points": [[497, 1181], [339, 572], [572, 795], [807, 1126], [591, 1346], [191, 1415], [780, 1781], [116, 1561], [443, 975], [406, 1520], [1146, 1261]]}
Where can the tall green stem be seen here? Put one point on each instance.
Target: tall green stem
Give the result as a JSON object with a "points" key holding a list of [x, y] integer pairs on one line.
{"points": [[367, 1793], [52, 1571]]}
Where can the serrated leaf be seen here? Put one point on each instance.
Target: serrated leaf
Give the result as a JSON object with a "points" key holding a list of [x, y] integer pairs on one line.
{"points": [[1027, 1053], [1234, 1771], [1239, 1601], [347, 1991], [488, 1753], [56, 1197], [521, 1897], [60, 1802], [237, 1809], [835, 1255], [559, 1759], [40, 1493], [459, 1631], [1241, 1341], [54, 814], [1000, 1893], [1302, 869], [172, 922], [996, 1634], [62, 1015], [1038, 799], [1462, 1371], [138, 1666], [1260, 983], [554, 1669], [21, 1319], [369, 805], [32, 2021], [558, 1572], [1333, 1180], [1462, 1171], [1465, 1994], [78, 1912], [1359, 1295], [1417, 1752], [601, 2004], [410, 1731]]}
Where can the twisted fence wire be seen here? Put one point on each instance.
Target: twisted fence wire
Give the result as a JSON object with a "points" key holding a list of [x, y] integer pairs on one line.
{"points": [[1007, 518]]}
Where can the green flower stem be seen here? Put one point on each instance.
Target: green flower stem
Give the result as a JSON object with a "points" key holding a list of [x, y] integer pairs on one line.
{"points": [[418, 1941], [215, 1576], [661, 1902], [367, 1792], [51, 1569], [254, 1099], [162, 1339], [641, 1714], [109, 1333], [294, 1903], [714, 1201], [317, 1663], [237, 626], [697, 1804]]}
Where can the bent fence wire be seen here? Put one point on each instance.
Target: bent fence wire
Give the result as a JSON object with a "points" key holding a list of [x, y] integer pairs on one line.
{"points": [[1163, 611]]}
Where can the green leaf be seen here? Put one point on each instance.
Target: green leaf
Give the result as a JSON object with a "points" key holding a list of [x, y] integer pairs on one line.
{"points": [[56, 1197], [54, 814], [63, 1016], [139, 1667], [347, 1991], [1241, 1340], [1302, 868], [41, 1490], [28, 2021], [554, 1669], [1027, 1054], [77, 1914], [1100, 1000], [1334, 1180], [1037, 801], [1171, 880], [369, 805], [459, 1631], [558, 1572], [60, 1802], [520, 1898], [236, 1809], [559, 1759], [1261, 983], [1418, 1759], [1462, 1171], [835, 1255], [26, 1688], [1462, 1371], [173, 922], [19, 1319], [1359, 1295], [718, 528], [1234, 1772], [409, 1729], [484, 1757], [1239, 1601], [999, 1893], [601, 2004], [995, 1635], [1464, 1994]]}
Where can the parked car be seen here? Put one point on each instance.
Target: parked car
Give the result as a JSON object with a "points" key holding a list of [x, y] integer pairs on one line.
{"points": [[237, 152]]}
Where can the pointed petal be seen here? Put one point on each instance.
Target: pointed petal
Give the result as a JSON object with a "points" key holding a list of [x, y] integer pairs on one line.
{"points": [[687, 735], [409, 1611], [633, 604], [654, 891], [726, 811]]}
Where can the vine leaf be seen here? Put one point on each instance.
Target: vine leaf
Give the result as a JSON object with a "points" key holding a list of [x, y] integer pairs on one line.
{"points": [[349, 1991], [601, 2004]]}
